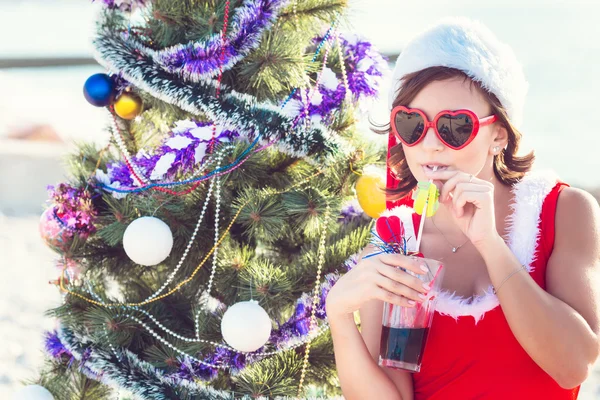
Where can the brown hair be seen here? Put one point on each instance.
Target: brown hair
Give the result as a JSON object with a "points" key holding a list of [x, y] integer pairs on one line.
{"points": [[508, 167]]}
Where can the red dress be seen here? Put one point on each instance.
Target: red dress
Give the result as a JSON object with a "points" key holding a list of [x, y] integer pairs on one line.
{"points": [[471, 352]]}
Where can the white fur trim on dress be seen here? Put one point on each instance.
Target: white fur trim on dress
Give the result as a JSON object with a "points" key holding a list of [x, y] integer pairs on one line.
{"points": [[523, 223], [522, 238], [471, 47]]}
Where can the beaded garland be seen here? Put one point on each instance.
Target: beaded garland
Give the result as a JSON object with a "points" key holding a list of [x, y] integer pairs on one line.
{"points": [[313, 321], [187, 280]]}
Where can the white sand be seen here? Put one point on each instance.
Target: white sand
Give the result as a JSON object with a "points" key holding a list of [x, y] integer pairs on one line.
{"points": [[27, 266], [26, 269]]}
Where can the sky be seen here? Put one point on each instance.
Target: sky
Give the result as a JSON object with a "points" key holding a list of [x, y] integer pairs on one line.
{"points": [[556, 41]]}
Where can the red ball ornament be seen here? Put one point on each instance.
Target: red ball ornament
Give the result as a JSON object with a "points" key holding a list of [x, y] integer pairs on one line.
{"points": [[54, 231]]}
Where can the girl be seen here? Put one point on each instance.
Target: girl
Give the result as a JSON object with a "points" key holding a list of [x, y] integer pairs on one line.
{"points": [[519, 317]]}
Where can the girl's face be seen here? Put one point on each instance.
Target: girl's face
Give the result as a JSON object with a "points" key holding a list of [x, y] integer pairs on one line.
{"points": [[477, 157]]}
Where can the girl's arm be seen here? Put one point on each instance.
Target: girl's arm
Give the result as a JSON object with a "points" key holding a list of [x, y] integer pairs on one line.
{"points": [[559, 328], [371, 315], [356, 356], [360, 376]]}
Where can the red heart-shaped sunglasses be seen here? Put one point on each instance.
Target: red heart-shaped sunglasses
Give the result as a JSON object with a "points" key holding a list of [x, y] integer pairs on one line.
{"points": [[456, 129]]}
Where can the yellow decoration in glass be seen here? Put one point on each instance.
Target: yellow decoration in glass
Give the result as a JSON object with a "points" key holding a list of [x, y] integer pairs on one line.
{"points": [[428, 193]]}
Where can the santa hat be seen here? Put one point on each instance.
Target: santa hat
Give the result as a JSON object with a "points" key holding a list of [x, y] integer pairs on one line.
{"points": [[468, 46], [471, 47]]}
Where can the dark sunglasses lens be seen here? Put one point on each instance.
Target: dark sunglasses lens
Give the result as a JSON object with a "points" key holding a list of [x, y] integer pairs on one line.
{"points": [[409, 126], [455, 130]]}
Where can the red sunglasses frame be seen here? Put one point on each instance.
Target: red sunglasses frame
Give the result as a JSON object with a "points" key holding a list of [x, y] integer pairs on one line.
{"points": [[477, 123]]}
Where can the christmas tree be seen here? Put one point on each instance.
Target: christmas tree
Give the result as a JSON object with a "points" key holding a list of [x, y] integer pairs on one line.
{"points": [[197, 248]]}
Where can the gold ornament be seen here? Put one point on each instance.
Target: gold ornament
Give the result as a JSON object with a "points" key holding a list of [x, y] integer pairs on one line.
{"points": [[128, 106], [369, 191]]}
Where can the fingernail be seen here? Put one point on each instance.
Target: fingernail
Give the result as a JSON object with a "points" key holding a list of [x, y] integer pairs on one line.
{"points": [[426, 286], [422, 296], [412, 302], [424, 268]]}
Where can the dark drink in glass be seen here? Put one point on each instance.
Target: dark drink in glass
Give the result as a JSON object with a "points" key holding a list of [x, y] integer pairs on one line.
{"points": [[404, 330], [403, 347]]}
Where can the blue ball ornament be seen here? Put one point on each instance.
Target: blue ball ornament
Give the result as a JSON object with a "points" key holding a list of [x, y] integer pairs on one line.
{"points": [[99, 90]]}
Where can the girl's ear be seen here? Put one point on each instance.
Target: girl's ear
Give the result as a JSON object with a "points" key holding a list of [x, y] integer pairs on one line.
{"points": [[500, 136]]}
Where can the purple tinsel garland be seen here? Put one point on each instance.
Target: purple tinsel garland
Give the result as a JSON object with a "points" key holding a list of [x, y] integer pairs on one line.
{"points": [[188, 146], [54, 346], [365, 70], [365, 66], [351, 212], [74, 208], [191, 370], [198, 60], [202, 60], [119, 172], [57, 350], [181, 153]]}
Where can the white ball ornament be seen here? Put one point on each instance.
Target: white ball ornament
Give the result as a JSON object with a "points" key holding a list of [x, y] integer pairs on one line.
{"points": [[246, 326], [148, 241], [32, 392]]}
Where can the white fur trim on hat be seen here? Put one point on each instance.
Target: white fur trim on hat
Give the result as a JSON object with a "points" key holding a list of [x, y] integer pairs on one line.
{"points": [[471, 47]]}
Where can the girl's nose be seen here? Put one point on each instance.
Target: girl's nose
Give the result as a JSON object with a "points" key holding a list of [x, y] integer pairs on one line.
{"points": [[431, 141]]}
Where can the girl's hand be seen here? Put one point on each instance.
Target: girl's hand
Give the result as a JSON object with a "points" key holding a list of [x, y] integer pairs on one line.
{"points": [[378, 277], [471, 201]]}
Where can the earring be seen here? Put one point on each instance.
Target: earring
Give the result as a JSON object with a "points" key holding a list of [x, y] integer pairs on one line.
{"points": [[496, 148]]}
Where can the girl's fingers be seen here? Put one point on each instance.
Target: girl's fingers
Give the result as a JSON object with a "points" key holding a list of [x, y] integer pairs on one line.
{"points": [[402, 278], [393, 298], [463, 180], [398, 288], [451, 183], [414, 264], [475, 198], [462, 187]]}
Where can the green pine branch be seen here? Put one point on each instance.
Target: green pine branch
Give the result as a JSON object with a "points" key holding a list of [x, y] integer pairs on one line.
{"points": [[275, 376], [268, 284], [174, 22], [275, 68], [311, 15], [66, 382]]}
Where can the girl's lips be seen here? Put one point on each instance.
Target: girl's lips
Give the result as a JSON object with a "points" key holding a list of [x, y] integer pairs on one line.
{"points": [[428, 168]]}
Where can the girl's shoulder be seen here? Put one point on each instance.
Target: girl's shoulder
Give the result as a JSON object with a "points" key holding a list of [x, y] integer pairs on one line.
{"points": [[544, 189]]}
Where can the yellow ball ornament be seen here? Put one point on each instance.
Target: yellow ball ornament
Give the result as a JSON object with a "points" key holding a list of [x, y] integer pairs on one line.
{"points": [[128, 106], [369, 191]]}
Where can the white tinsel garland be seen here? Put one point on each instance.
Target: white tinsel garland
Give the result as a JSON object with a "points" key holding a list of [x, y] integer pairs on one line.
{"points": [[234, 109]]}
